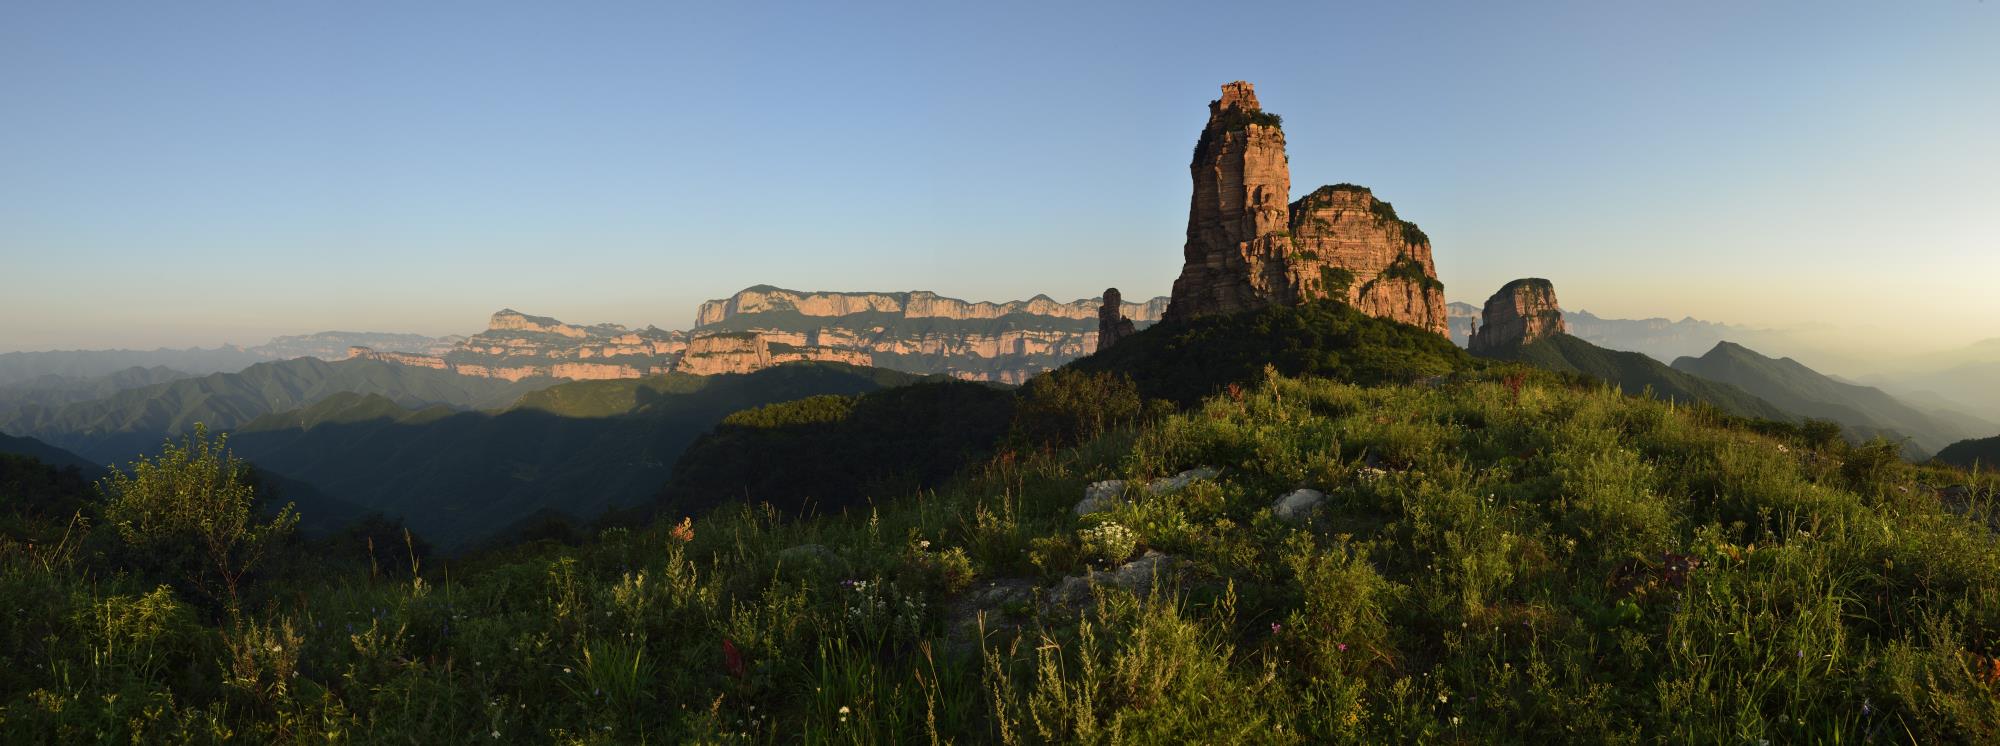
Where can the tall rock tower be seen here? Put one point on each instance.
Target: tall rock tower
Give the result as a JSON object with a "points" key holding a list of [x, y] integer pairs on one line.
{"points": [[1235, 245], [1248, 247]]}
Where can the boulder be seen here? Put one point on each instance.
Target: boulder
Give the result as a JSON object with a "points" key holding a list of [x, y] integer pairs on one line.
{"points": [[1297, 505], [1099, 496]]}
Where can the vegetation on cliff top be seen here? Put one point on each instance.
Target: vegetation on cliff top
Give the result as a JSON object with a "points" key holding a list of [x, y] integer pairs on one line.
{"points": [[1186, 361]]}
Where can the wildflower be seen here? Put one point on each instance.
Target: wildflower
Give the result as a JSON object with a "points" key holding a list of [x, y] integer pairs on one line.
{"points": [[1276, 628], [925, 544], [1342, 647], [496, 735], [731, 659], [1866, 708], [843, 709], [682, 532], [1442, 699]]}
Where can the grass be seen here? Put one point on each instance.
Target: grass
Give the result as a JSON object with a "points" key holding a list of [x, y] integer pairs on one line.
{"points": [[1501, 557]]}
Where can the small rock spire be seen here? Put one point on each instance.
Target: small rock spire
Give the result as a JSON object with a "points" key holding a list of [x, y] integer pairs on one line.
{"points": [[1111, 322]]}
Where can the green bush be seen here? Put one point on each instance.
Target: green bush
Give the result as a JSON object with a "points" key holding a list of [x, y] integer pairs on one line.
{"points": [[191, 512]]}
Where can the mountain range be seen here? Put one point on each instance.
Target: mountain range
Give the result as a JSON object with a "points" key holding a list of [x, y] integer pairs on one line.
{"points": [[1865, 411], [577, 449], [117, 427]]}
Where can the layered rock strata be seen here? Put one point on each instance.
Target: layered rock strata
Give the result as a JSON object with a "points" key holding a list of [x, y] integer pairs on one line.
{"points": [[1521, 312], [1248, 247], [922, 332]]}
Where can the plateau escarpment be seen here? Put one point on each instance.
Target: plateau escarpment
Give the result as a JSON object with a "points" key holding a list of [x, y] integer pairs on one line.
{"points": [[922, 332], [518, 346], [1248, 247]]}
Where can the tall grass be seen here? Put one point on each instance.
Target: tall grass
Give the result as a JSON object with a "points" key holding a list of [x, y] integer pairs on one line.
{"points": [[1490, 564]]}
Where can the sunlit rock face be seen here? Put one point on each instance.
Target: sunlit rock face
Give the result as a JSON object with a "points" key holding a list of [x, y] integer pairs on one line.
{"points": [[923, 332], [1521, 312], [1248, 247]]}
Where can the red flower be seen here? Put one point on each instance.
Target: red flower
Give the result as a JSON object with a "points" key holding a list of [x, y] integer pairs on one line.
{"points": [[731, 659]]}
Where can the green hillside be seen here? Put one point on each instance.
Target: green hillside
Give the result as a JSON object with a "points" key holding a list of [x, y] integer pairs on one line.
{"points": [[1186, 361], [827, 453], [1983, 453], [47, 454], [1864, 410], [1637, 374], [579, 449], [116, 427], [1493, 559]]}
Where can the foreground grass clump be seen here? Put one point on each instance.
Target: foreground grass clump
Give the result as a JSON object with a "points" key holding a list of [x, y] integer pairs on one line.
{"points": [[1495, 559]]}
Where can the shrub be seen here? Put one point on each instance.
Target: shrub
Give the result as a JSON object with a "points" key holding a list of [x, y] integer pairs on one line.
{"points": [[1066, 407], [191, 510]]}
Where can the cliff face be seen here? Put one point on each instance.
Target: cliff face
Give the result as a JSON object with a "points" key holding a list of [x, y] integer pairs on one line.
{"points": [[922, 332], [1350, 246], [915, 304], [1522, 311], [1248, 248], [1236, 257], [515, 346]]}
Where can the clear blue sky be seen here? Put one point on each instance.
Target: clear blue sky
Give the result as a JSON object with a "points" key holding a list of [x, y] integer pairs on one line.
{"points": [[193, 173]]}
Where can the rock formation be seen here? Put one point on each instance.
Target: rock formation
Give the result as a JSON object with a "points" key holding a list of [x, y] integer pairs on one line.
{"points": [[762, 299], [1248, 247], [1236, 251], [744, 352], [917, 332], [1523, 311], [1111, 322], [923, 332]]}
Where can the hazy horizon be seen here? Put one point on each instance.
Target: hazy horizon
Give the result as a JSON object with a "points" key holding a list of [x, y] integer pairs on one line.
{"points": [[191, 175]]}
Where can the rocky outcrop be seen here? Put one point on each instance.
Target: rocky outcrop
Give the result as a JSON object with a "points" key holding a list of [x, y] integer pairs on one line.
{"points": [[744, 352], [1236, 250], [1523, 311], [916, 304], [1248, 247], [1111, 322], [921, 332], [1350, 246]]}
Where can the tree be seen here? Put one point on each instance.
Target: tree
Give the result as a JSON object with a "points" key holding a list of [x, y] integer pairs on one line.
{"points": [[193, 510]]}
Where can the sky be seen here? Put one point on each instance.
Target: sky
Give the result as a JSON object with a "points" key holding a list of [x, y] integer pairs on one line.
{"points": [[194, 173]]}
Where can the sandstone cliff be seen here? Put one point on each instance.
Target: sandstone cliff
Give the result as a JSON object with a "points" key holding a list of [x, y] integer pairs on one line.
{"points": [[1248, 248], [915, 304], [922, 332], [1522, 311], [744, 352], [1236, 252]]}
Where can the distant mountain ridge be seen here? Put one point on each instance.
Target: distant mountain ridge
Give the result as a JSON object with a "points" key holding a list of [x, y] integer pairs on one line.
{"points": [[1660, 338], [1638, 375], [116, 428], [51, 389], [19, 367], [1865, 410]]}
